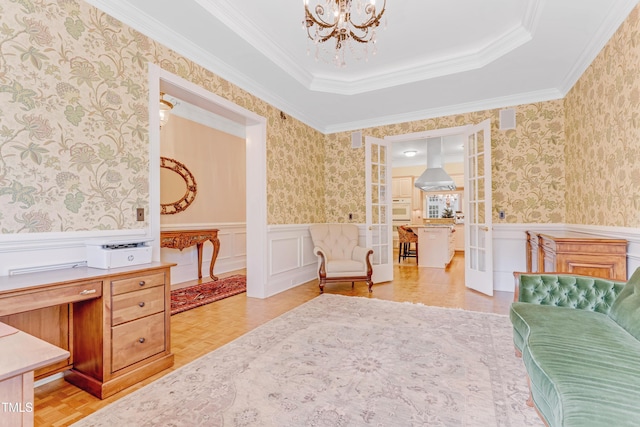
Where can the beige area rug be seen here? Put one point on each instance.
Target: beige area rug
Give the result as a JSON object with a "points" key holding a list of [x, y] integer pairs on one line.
{"points": [[345, 361]]}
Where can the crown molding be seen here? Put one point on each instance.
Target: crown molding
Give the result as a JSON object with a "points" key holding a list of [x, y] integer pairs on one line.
{"points": [[617, 15], [469, 107], [414, 72], [240, 24], [409, 73], [135, 18]]}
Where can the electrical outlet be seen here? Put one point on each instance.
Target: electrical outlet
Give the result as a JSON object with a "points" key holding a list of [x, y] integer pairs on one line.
{"points": [[140, 214], [501, 215]]}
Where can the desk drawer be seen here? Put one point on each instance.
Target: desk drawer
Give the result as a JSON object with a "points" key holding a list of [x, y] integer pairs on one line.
{"points": [[134, 305], [137, 340], [136, 283], [41, 298]]}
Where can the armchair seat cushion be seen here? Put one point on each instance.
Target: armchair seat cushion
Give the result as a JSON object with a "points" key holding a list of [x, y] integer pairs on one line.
{"points": [[345, 266]]}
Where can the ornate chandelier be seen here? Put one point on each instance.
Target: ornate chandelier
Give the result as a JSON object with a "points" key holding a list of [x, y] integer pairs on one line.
{"points": [[349, 23]]}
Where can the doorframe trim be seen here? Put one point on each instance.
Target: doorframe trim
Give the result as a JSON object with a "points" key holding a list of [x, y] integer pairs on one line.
{"points": [[256, 166]]}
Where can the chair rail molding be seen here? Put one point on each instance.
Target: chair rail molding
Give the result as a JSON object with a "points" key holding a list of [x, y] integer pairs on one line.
{"points": [[43, 250]]}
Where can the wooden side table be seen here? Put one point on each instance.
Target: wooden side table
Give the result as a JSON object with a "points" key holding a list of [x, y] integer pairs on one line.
{"points": [[186, 238], [20, 355]]}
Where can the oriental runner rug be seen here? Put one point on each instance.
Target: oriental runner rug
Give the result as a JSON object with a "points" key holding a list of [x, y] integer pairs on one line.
{"points": [[194, 296], [345, 361]]}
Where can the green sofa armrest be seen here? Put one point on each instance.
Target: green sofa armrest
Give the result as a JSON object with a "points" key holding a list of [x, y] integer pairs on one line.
{"points": [[567, 290]]}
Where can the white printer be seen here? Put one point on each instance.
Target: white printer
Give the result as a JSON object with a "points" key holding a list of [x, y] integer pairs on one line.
{"points": [[114, 254]]}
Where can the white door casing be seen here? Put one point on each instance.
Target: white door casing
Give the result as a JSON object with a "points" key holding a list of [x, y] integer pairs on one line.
{"points": [[378, 207], [478, 270]]}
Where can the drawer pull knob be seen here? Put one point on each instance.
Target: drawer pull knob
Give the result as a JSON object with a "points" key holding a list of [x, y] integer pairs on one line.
{"points": [[141, 304], [141, 340], [142, 283], [88, 291]]}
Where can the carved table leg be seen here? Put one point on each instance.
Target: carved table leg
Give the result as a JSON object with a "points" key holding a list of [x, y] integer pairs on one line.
{"points": [[216, 249], [199, 247]]}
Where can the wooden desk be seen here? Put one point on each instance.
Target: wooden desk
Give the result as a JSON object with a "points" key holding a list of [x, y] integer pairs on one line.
{"points": [[20, 355], [114, 324], [186, 238]]}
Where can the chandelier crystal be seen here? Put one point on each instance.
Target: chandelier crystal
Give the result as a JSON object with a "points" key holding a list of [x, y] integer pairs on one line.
{"points": [[350, 24]]}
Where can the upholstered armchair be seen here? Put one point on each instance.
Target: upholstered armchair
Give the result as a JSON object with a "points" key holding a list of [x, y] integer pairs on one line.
{"points": [[340, 259]]}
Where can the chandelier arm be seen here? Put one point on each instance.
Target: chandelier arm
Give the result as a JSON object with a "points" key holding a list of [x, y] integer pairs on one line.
{"points": [[373, 21], [342, 29], [317, 21]]}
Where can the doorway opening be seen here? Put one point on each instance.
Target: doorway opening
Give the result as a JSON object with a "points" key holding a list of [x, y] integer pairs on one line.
{"points": [[256, 190]]}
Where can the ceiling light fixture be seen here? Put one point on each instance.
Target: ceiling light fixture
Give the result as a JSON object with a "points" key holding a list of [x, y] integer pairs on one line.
{"points": [[349, 23], [165, 108], [410, 153]]}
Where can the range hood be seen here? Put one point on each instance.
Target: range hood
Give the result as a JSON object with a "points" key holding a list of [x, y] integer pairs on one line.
{"points": [[434, 178]]}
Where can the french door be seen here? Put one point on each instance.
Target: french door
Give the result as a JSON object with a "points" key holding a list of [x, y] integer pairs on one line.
{"points": [[478, 270], [378, 207]]}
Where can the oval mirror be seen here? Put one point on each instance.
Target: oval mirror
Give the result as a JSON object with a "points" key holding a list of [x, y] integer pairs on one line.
{"points": [[178, 186]]}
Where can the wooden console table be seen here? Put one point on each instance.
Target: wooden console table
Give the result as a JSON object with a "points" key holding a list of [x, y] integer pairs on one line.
{"points": [[186, 238]]}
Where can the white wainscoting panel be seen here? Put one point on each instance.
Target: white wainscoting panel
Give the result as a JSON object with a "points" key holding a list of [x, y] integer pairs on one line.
{"points": [[509, 251], [286, 254], [232, 255], [509, 247], [291, 259]]}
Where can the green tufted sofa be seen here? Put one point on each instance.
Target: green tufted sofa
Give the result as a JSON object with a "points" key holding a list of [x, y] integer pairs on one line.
{"points": [[579, 338]]}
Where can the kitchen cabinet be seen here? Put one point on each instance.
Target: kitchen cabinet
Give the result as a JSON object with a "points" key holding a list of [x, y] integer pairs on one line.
{"points": [[459, 237], [577, 253], [416, 200], [436, 245], [402, 187]]}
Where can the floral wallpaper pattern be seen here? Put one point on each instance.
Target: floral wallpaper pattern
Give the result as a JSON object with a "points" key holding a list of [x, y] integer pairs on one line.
{"points": [[74, 123], [527, 164], [74, 134], [603, 134]]}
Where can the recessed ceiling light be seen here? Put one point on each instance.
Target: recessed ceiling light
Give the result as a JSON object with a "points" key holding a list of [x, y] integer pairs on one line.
{"points": [[410, 153]]}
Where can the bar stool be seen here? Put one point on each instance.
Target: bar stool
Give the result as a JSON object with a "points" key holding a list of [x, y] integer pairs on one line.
{"points": [[407, 237]]}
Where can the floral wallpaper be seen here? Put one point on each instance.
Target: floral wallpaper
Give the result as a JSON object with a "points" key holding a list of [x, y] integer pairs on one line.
{"points": [[74, 124], [74, 134], [603, 134], [527, 164]]}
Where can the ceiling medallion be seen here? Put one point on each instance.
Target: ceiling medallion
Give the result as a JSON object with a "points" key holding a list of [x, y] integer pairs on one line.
{"points": [[350, 24]]}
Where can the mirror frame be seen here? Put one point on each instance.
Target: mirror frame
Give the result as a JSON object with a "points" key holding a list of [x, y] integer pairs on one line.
{"points": [[189, 195]]}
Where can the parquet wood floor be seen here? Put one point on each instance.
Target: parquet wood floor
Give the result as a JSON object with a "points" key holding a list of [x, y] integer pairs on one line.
{"points": [[201, 330]]}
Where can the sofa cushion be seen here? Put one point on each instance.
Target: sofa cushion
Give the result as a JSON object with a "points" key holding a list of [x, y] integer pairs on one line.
{"points": [[589, 293], [625, 311], [584, 368]]}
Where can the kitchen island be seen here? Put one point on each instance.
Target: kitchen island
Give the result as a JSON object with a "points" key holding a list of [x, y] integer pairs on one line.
{"points": [[436, 244]]}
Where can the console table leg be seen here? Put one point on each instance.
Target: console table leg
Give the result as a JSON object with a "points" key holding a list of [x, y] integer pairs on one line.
{"points": [[216, 249], [199, 247]]}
